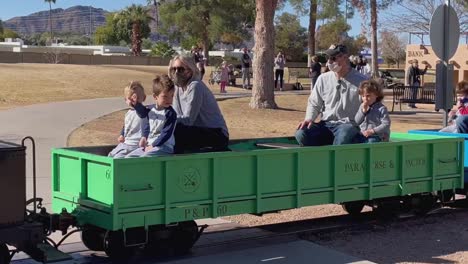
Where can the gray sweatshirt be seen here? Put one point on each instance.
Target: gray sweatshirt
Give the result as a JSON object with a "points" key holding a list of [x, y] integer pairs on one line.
{"points": [[337, 100], [376, 118], [197, 106]]}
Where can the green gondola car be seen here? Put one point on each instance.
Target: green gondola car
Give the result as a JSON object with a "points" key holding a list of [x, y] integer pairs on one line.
{"points": [[124, 203]]}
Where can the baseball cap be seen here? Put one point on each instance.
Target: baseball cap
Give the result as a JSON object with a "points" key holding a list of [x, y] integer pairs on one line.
{"points": [[334, 50]]}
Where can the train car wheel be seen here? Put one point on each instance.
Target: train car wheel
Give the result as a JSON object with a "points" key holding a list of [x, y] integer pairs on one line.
{"points": [[353, 208], [387, 209], [93, 237], [446, 196], [115, 248], [423, 204], [158, 241], [4, 254], [184, 237]]}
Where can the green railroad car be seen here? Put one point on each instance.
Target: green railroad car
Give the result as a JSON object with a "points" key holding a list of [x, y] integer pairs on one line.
{"points": [[124, 203]]}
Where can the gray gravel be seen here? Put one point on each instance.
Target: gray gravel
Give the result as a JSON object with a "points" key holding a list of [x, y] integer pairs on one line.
{"points": [[433, 239]]}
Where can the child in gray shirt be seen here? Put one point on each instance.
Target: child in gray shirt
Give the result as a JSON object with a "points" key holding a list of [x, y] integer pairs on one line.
{"points": [[372, 116]]}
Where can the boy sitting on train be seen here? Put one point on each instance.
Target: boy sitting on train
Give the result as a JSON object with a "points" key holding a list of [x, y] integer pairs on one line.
{"points": [[462, 109], [160, 120], [372, 116], [130, 137]]}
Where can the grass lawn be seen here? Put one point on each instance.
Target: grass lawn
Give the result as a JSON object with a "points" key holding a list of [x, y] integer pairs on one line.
{"points": [[26, 84]]}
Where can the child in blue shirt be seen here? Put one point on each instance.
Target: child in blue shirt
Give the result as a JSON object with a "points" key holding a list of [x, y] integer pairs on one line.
{"points": [[131, 136], [160, 120], [372, 116]]}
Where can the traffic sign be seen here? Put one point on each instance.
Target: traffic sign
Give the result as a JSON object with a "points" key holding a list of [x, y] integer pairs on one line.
{"points": [[444, 32]]}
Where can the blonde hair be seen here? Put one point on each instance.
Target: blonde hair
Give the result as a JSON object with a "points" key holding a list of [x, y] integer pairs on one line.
{"points": [[462, 88], [162, 83], [371, 86], [135, 87], [188, 62]]}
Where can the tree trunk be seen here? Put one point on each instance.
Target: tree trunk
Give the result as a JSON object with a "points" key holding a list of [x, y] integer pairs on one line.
{"points": [[263, 80], [205, 46], [375, 63], [50, 24], [136, 39], [312, 25], [156, 15], [205, 37]]}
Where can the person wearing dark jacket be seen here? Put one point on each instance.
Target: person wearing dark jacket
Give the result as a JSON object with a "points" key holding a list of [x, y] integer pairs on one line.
{"points": [[315, 70], [413, 79]]}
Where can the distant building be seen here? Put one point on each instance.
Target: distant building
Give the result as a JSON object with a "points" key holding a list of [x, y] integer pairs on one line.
{"points": [[425, 53]]}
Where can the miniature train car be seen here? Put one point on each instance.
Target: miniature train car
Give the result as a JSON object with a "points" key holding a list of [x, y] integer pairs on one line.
{"points": [[121, 204]]}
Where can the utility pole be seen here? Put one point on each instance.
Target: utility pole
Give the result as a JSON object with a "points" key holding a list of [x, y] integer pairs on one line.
{"points": [[346, 12], [90, 25], [50, 23]]}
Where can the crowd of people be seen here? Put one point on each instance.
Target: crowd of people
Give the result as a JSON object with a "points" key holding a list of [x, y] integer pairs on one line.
{"points": [[344, 107]]}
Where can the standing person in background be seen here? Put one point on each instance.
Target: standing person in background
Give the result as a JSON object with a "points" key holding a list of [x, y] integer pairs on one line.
{"points": [[359, 63], [366, 68], [199, 60], [224, 71], [246, 61], [280, 61], [315, 70], [413, 79]]}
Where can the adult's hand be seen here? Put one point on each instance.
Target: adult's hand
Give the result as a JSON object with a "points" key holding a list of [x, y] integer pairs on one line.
{"points": [[305, 123], [142, 142], [121, 139], [148, 148]]}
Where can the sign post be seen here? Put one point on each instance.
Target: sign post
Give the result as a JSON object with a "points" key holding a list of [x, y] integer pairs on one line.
{"points": [[444, 34]]}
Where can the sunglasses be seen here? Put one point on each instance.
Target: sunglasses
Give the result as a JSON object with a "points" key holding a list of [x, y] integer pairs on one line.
{"points": [[340, 86], [333, 58], [178, 69]]}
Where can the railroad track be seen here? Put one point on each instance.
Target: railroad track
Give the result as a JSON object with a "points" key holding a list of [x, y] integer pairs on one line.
{"points": [[365, 221], [245, 237]]}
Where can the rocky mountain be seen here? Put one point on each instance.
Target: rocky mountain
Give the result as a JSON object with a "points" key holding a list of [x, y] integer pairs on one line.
{"points": [[76, 20]]}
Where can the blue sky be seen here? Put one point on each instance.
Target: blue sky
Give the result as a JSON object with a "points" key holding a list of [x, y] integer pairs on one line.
{"points": [[26, 7]]}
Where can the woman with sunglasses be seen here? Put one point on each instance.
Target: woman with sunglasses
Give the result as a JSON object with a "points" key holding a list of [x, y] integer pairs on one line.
{"points": [[200, 123]]}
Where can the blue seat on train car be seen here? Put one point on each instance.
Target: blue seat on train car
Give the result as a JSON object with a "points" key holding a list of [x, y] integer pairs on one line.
{"points": [[437, 133]]}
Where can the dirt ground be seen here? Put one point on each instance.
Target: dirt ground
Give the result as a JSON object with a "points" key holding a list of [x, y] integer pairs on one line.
{"points": [[29, 83], [260, 123]]}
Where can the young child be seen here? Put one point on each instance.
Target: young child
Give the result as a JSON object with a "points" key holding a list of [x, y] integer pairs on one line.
{"points": [[160, 120], [224, 69], [462, 107], [372, 116], [131, 136]]}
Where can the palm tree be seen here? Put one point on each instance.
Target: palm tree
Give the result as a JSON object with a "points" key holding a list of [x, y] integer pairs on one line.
{"points": [[156, 4], [50, 17], [136, 15]]}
